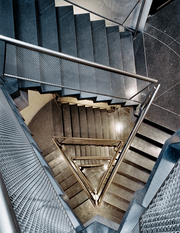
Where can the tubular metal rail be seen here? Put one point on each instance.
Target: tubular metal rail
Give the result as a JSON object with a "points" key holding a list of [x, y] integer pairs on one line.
{"points": [[163, 213], [37, 206], [56, 66], [28, 62]]}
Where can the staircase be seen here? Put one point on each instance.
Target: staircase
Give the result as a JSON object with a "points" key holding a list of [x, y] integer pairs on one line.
{"points": [[60, 30], [62, 119], [40, 23]]}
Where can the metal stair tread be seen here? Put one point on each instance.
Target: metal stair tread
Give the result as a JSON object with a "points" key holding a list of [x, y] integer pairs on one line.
{"points": [[133, 172], [119, 191], [128, 63], [154, 133], [127, 182], [78, 199], [85, 51], [146, 147], [100, 47], [52, 155], [68, 45], [22, 32], [139, 160], [115, 61], [47, 25], [116, 201]]}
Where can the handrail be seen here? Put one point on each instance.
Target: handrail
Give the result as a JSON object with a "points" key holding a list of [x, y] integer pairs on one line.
{"points": [[128, 143], [74, 59], [8, 221]]}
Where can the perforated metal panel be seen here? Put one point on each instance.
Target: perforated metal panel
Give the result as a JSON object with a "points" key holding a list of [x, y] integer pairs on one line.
{"points": [[163, 213], [60, 72], [36, 205]]}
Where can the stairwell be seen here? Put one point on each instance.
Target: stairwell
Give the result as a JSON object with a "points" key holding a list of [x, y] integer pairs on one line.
{"points": [[40, 23], [80, 121]]}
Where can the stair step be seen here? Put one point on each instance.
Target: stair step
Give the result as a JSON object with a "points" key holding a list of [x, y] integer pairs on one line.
{"points": [[56, 162], [51, 148], [153, 133], [116, 201], [78, 199], [67, 45], [64, 175], [100, 46], [73, 190], [83, 122], [26, 30], [146, 147], [98, 123], [68, 182], [120, 192], [115, 61], [127, 182], [48, 38], [85, 51], [57, 119], [139, 160], [66, 30], [58, 166], [105, 124], [91, 123], [128, 63], [140, 61], [133, 172], [66, 120], [51, 156]]}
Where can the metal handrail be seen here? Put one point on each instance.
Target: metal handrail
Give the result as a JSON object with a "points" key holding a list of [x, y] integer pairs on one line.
{"points": [[128, 143], [74, 59]]}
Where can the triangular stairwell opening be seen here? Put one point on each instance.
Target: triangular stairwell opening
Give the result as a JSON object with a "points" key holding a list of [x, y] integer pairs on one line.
{"points": [[92, 172]]}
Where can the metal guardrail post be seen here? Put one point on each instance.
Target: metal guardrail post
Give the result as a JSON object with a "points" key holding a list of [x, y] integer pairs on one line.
{"points": [[8, 221]]}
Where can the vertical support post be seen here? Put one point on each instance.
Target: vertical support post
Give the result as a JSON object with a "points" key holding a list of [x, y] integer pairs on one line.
{"points": [[8, 221]]}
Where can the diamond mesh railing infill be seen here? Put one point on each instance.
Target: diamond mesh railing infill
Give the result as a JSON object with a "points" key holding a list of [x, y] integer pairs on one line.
{"points": [[36, 205], [163, 213]]}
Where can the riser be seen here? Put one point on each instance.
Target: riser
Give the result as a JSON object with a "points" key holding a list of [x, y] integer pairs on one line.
{"points": [[88, 122]]}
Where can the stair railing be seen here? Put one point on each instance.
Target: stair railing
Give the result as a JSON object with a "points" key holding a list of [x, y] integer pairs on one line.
{"points": [[13, 47], [142, 114], [35, 197]]}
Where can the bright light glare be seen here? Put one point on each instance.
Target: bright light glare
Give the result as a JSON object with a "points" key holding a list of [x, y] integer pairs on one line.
{"points": [[119, 127], [105, 166]]}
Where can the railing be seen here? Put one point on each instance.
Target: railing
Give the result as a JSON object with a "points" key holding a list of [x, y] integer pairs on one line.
{"points": [[163, 213], [59, 65], [93, 195], [143, 111], [37, 205], [28, 62]]}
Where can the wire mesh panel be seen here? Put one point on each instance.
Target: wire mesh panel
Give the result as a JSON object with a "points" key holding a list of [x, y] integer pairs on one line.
{"points": [[36, 205], [163, 213], [64, 73]]}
